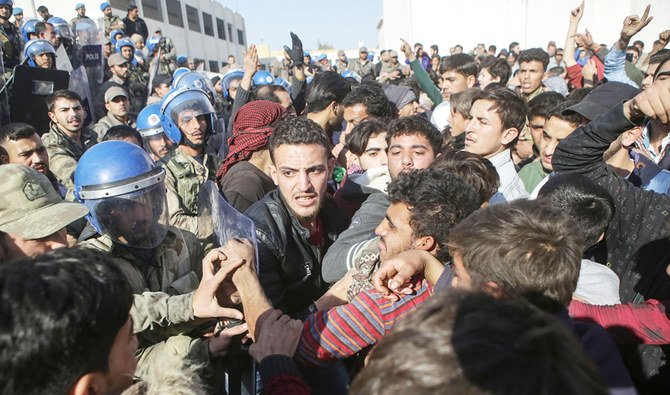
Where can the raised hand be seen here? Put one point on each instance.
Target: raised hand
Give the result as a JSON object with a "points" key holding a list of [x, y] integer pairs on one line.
{"points": [[295, 53], [633, 24], [577, 13]]}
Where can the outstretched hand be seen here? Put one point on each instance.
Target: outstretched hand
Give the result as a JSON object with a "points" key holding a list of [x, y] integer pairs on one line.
{"points": [[295, 53], [407, 50], [653, 102], [633, 24], [250, 60], [217, 270]]}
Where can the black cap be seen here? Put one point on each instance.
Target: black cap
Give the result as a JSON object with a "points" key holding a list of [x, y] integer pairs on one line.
{"points": [[160, 79], [602, 99]]}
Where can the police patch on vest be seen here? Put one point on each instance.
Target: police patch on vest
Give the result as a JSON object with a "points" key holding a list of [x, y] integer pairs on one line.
{"points": [[33, 191]]}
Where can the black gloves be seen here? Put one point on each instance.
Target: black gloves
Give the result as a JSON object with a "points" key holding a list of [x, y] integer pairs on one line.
{"points": [[296, 53]]}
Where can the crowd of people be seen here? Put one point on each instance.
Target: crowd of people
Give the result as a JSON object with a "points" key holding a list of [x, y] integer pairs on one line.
{"points": [[482, 222]]}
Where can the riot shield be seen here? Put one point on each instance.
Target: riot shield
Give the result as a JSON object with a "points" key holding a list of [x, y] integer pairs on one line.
{"points": [[88, 38], [221, 220], [29, 90], [4, 93]]}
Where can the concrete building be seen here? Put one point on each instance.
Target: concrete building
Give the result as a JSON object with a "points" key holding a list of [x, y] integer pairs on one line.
{"points": [[532, 23], [204, 29]]}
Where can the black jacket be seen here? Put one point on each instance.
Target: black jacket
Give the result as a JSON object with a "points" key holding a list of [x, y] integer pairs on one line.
{"points": [[289, 268], [138, 26]]}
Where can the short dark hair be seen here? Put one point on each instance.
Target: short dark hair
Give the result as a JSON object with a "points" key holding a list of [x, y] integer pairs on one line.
{"points": [[497, 68], [573, 118], [576, 95], [509, 106], [41, 27], [435, 48], [461, 102], [412, 125], [512, 45], [535, 54], [461, 63], [437, 201], [268, 92], [633, 48], [42, 9], [588, 204], [525, 247], [325, 88], [639, 42], [123, 132], [540, 105], [61, 94], [357, 139], [16, 131], [475, 170], [61, 313], [470, 343], [493, 48], [298, 131], [372, 97]]}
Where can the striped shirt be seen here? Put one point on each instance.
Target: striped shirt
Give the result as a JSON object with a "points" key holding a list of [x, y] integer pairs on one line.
{"points": [[343, 331]]}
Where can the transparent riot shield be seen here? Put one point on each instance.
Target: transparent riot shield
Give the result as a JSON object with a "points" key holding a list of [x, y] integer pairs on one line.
{"points": [[89, 39]]}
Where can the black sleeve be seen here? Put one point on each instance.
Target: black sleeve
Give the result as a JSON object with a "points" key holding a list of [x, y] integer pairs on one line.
{"points": [[298, 91], [241, 98]]}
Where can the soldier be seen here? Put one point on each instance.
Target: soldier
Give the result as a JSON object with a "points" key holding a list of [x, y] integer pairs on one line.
{"points": [[9, 36], [40, 53], [112, 22], [125, 193], [117, 105], [18, 17], [67, 138], [155, 142], [81, 14], [119, 67], [187, 117], [137, 79]]}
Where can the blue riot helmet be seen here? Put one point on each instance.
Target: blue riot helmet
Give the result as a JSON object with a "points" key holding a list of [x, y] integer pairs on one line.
{"points": [[38, 47], [195, 79], [178, 109], [263, 77], [351, 75], [283, 83], [124, 42], [152, 42], [182, 60], [113, 34], [153, 137], [138, 57], [124, 191], [177, 73], [29, 28], [228, 78], [62, 28]]}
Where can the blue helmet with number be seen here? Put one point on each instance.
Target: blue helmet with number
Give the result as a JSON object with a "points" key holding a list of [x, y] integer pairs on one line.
{"points": [[124, 191], [182, 105], [29, 28], [113, 34], [263, 77], [152, 42], [150, 128], [229, 77], [38, 47], [178, 72]]}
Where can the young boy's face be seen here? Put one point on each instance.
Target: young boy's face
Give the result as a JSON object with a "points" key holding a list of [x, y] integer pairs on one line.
{"points": [[375, 152], [452, 81], [457, 122], [486, 135]]}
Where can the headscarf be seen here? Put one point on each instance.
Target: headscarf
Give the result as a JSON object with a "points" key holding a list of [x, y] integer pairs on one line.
{"points": [[252, 126]]}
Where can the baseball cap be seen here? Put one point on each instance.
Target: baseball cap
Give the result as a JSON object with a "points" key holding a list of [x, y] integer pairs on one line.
{"points": [[137, 38], [602, 99], [79, 5], [104, 5], [393, 54], [161, 79], [115, 91], [116, 59], [29, 205], [363, 49]]}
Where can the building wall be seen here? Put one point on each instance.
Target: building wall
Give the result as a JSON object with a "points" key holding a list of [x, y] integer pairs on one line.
{"points": [[532, 23], [194, 44]]}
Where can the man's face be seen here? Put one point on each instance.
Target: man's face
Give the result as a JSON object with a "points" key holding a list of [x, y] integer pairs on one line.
{"points": [[139, 45], [301, 173], [118, 106], [68, 115], [634, 55], [162, 89], [363, 55], [395, 233], [107, 49], [122, 70], [452, 81], [551, 50], [530, 76], [159, 145], [536, 126], [559, 57], [231, 59], [49, 34], [28, 152], [485, 135], [44, 60], [133, 13], [81, 11], [232, 88], [122, 362], [217, 87], [457, 122], [18, 17], [418, 50], [485, 78], [409, 109], [18, 247], [651, 71], [132, 222], [555, 130], [127, 52], [108, 12], [43, 14], [193, 127], [385, 57], [375, 152], [5, 11], [353, 115], [409, 152]]}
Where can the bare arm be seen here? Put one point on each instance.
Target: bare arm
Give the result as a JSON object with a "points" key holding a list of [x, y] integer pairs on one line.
{"points": [[569, 51]]}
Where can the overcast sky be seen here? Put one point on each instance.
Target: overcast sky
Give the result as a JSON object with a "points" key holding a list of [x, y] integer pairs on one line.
{"points": [[342, 23]]}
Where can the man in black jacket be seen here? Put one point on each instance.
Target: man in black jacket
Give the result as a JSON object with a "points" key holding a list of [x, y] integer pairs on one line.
{"points": [[298, 222], [135, 24]]}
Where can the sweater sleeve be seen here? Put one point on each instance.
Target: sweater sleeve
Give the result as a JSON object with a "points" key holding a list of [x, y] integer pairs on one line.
{"points": [[280, 376], [575, 75], [425, 83]]}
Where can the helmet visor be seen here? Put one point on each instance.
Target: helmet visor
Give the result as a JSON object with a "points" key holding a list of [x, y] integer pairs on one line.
{"points": [[157, 144], [137, 219], [190, 106]]}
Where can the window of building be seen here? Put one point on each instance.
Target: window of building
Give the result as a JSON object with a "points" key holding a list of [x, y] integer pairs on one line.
{"points": [[152, 9], [221, 28], [213, 66], [207, 24], [230, 32], [192, 17], [174, 12], [240, 36], [120, 4]]}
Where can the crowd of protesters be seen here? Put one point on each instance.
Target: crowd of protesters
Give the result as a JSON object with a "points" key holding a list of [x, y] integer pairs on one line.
{"points": [[490, 222]]}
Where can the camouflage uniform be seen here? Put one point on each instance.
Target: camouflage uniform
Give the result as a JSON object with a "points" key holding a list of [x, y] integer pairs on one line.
{"points": [[183, 177], [64, 153], [163, 303], [109, 22], [10, 38], [105, 123]]}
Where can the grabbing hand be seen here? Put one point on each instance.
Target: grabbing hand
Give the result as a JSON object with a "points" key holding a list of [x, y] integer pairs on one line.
{"points": [[296, 53], [219, 343], [279, 335], [214, 274], [393, 275], [633, 24]]}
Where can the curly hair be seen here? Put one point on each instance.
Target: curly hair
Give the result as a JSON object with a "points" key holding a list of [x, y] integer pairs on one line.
{"points": [[372, 97], [437, 201], [475, 170], [298, 131]]}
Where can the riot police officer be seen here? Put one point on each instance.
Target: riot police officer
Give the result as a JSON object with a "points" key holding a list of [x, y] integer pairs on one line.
{"points": [[9, 36], [154, 139], [40, 53], [137, 80]]}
